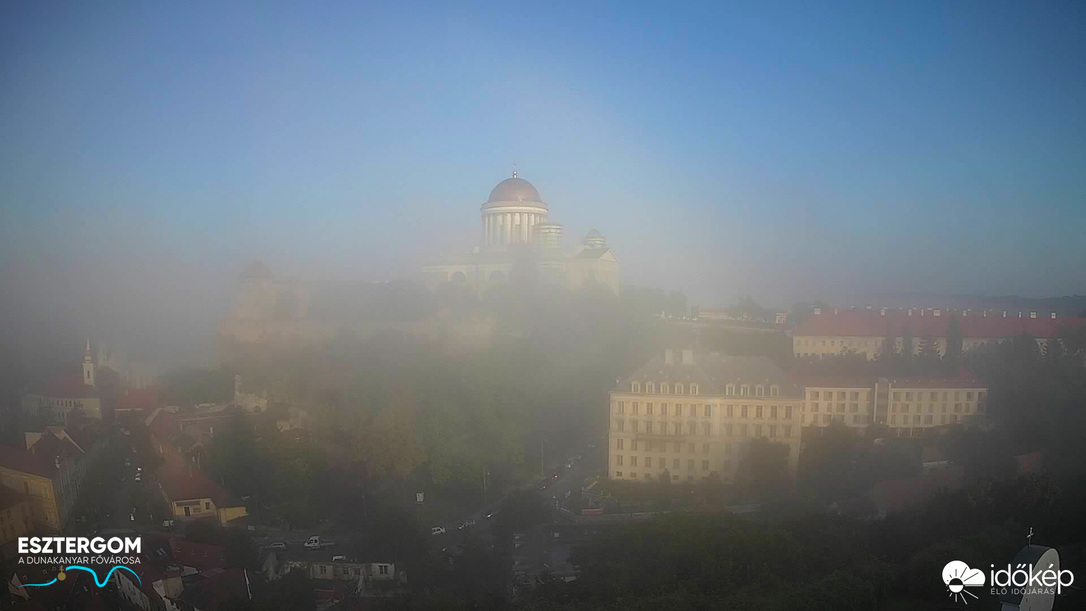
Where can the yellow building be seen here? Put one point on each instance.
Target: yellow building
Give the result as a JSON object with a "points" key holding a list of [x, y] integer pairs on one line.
{"points": [[907, 406], [15, 520], [691, 415], [50, 475]]}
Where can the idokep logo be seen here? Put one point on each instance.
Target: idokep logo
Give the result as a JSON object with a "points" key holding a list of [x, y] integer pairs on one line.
{"points": [[80, 554], [958, 576]]}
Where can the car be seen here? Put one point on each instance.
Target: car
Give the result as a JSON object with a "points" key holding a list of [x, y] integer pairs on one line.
{"points": [[546, 484], [466, 524], [438, 530], [277, 545], [138, 478], [490, 514], [339, 558]]}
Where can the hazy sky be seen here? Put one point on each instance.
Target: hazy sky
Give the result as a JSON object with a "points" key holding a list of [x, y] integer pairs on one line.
{"points": [[786, 151]]}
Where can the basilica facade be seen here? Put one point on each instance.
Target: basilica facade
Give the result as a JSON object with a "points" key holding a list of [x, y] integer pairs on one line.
{"points": [[518, 237]]}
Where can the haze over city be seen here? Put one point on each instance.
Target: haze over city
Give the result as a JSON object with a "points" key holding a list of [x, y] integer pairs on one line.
{"points": [[782, 152]]}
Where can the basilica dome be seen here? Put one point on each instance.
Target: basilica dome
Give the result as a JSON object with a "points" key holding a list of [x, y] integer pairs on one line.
{"points": [[514, 190]]}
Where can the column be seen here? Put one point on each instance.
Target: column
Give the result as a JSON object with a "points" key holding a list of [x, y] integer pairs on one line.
{"points": [[508, 228]]}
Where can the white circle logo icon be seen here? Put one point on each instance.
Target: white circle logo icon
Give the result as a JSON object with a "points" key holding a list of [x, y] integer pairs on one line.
{"points": [[958, 576]]}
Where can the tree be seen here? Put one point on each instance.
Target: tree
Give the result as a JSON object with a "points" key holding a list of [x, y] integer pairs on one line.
{"points": [[953, 343], [390, 445], [764, 470]]}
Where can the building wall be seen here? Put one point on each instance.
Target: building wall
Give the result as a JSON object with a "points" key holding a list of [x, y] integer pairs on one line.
{"points": [[905, 410], [15, 521], [194, 508], [46, 512], [643, 442], [853, 406], [55, 410], [869, 346]]}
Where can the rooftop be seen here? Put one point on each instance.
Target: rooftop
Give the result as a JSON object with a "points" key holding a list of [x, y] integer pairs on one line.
{"points": [[920, 323]]}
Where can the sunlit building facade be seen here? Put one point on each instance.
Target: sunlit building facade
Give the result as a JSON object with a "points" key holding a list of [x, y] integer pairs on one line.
{"points": [[688, 416], [906, 406]]}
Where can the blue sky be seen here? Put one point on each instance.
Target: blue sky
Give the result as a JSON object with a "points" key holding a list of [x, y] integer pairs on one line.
{"points": [[785, 150]]}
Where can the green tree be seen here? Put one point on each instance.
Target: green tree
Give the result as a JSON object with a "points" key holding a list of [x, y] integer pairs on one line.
{"points": [[764, 469]]}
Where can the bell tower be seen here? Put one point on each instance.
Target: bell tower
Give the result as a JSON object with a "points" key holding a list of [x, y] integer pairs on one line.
{"points": [[88, 366]]}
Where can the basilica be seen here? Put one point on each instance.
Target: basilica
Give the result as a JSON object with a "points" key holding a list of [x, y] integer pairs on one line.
{"points": [[518, 237]]}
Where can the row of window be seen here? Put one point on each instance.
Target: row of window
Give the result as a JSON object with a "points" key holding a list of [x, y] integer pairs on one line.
{"points": [[905, 407], [827, 395], [927, 419], [692, 410], [618, 475], [661, 463], [649, 427], [853, 407], [729, 390], [934, 396], [858, 419]]}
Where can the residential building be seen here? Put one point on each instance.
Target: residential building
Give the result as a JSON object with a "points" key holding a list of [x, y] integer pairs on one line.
{"points": [[50, 471], [907, 406], [15, 520], [193, 495], [863, 331], [691, 415], [55, 401]]}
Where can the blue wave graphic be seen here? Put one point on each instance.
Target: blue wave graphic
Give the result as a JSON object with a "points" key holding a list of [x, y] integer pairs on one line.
{"points": [[100, 584]]}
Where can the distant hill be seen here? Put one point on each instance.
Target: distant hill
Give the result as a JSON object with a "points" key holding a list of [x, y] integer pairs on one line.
{"points": [[1073, 305]]}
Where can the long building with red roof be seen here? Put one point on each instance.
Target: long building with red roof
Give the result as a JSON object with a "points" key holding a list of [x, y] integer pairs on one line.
{"points": [[863, 331]]}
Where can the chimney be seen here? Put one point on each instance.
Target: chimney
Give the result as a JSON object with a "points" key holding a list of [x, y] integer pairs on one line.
{"points": [[984, 313], [669, 356], [1053, 316], [835, 311], [1019, 313], [882, 311], [1033, 314], [1004, 313], [818, 310], [937, 313], [688, 356], [909, 312]]}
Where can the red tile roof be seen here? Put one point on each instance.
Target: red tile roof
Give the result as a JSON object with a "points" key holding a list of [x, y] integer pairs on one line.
{"points": [[201, 556], [870, 323], [40, 460], [66, 387], [182, 482], [138, 398]]}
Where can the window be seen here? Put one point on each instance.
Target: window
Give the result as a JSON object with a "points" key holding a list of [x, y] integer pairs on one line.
{"points": [[704, 448], [678, 410], [743, 411], [665, 388], [621, 424], [619, 443], [897, 396], [787, 412], [618, 459], [757, 430], [622, 407], [704, 465], [693, 389], [729, 390], [773, 412], [744, 390], [854, 407], [814, 407], [855, 396], [826, 419], [663, 409], [660, 463], [690, 464], [934, 396], [758, 412], [957, 408], [813, 395], [759, 390], [635, 386], [728, 430], [969, 396], [731, 411], [787, 431], [207, 505], [650, 388], [774, 391], [691, 428], [633, 461], [706, 428], [708, 411], [772, 431], [841, 407], [678, 388], [633, 408], [675, 463], [742, 430], [648, 409], [676, 428]]}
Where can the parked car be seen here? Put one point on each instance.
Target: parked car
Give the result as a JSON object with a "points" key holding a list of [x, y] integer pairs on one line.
{"points": [[490, 514], [339, 558], [277, 545], [437, 530], [466, 524], [316, 542]]}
